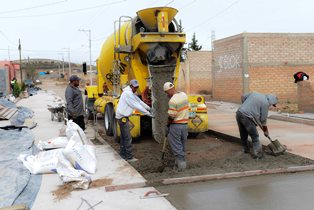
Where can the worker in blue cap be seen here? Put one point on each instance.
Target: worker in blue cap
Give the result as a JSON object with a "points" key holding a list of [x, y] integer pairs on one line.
{"points": [[74, 99]]}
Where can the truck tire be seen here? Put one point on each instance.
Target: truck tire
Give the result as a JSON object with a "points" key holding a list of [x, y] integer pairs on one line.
{"points": [[109, 119]]}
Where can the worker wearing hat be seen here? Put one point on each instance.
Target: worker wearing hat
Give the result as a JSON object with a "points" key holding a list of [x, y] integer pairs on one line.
{"points": [[127, 103], [178, 112], [74, 101], [253, 112]]}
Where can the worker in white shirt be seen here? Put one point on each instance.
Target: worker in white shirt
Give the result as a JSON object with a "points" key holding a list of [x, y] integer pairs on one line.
{"points": [[127, 103]]}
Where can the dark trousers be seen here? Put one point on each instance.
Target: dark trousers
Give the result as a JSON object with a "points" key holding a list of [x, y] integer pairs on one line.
{"points": [[247, 127], [125, 139], [78, 120], [177, 137]]}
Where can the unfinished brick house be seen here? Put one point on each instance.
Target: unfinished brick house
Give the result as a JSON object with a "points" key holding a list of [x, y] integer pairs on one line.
{"points": [[262, 62]]}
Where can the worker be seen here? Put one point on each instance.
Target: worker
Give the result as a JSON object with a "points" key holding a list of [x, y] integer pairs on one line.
{"points": [[13, 82], [127, 103], [178, 112], [74, 101], [253, 112]]}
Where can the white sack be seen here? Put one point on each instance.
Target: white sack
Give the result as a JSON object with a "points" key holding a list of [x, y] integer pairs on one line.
{"points": [[72, 129], [43, 162], [81, 156], [54, 143], [68, 174]]}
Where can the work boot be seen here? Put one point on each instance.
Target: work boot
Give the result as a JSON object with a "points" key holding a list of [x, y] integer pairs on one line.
{"points": [[257, 151], [181, 164]]}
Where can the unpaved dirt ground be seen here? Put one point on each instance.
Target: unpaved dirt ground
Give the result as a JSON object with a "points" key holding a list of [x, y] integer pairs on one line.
{"points": [[206, 154]]}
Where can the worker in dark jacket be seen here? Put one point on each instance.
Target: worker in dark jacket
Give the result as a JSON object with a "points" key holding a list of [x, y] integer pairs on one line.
{"points": [[253, 112], [73, 97]]}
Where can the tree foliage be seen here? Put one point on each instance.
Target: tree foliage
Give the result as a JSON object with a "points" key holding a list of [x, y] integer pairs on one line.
{"points": [[193, 45]]}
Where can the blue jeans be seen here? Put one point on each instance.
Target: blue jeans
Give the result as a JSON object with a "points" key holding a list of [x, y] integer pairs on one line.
{"points": [[177, 137], [246, 128], [125, 139]]}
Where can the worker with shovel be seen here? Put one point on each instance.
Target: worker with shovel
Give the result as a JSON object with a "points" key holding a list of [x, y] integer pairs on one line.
{"points": [[254, 112], [177, 123]]}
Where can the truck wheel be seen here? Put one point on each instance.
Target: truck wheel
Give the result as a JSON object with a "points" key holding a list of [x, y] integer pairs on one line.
{"points": [[109, 119]]}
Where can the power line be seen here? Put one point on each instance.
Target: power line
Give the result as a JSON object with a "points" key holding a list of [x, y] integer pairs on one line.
{"points": [[3, 34], [216, 15], [67, 12], [34, 7], [187, 5], [169, 2]]}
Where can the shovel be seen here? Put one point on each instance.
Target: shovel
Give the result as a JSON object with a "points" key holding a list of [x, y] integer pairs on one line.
{"points": [[162, 167], [275, 146]]}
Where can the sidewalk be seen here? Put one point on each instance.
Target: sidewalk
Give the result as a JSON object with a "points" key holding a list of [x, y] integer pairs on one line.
{"points": [[298, 137], [120, 186]]}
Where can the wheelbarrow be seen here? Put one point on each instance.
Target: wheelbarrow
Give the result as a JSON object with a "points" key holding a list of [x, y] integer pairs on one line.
{"points": [[58, 113]]}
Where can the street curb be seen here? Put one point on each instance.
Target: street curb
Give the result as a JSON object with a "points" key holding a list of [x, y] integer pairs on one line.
{"points": [[292, 119], [191, 179]]}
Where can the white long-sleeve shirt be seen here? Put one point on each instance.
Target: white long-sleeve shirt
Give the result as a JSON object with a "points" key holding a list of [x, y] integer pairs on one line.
{"points": [[128, 102]]}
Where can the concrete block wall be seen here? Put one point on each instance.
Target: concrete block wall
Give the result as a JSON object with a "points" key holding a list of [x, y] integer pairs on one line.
{"points": [[227, 69], [198, 64], [305, 94]]}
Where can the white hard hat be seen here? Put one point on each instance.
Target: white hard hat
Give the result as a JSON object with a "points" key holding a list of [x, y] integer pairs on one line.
{"points": [[168, 86]]}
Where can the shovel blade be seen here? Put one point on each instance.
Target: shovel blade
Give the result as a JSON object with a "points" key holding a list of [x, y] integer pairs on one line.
{"points": [[276, 148]]}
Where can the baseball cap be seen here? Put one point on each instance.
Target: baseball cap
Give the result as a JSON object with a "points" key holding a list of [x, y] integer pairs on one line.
{"points": [[134, 83], [168, 86], [74, 78], [272, 99]]}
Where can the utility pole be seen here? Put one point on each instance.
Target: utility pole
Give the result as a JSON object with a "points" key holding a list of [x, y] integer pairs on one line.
{"points": [[20, 48], [63, 65], [9, 53], [90, 54], [70, 72]]}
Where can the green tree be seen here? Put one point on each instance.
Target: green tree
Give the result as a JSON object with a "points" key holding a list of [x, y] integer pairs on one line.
{"points": [[16, 90], [193, 46]]}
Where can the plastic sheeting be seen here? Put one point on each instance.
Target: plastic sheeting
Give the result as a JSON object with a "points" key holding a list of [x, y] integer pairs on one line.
{"points": [[17, 185], [22, 114]]}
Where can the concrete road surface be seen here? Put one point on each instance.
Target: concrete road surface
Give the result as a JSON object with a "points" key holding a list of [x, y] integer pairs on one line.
{"points": [[274, 192]]}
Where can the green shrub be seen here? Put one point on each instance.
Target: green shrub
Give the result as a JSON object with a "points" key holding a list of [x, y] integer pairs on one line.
{"points": [[16, 90]]}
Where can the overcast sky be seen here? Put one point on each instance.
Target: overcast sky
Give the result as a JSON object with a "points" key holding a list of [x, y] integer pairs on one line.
{"points": [[47, 28]]}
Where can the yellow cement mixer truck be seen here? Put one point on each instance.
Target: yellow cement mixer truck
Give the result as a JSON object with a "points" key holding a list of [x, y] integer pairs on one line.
{"points": [[147, 48]]}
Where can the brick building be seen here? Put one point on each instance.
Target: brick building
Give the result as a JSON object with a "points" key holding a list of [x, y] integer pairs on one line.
{"points": [[263, 62], [196, 69]]}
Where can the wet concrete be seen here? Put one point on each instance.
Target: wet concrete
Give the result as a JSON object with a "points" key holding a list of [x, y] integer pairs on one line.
{"points": [[288, 192]]}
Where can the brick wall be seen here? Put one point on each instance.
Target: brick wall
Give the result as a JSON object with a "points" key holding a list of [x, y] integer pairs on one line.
{"points": [[199, 65], [227, 71], [306, 96], [272, 59]]}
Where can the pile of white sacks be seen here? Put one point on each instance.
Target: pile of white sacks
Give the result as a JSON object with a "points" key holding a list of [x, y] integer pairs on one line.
{"points": [[71, 156]]}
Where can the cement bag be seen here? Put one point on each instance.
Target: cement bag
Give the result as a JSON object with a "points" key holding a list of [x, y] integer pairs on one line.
{"points": [[58, 142], [43, 162], [67, 174], [81, 156], [73, 128]]}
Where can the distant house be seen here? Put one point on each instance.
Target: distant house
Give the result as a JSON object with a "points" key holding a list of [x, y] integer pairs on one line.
{"points": [[7, 72]]}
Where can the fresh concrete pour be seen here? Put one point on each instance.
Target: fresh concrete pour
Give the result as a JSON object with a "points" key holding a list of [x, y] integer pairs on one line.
{"points": [[275, 192]]}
